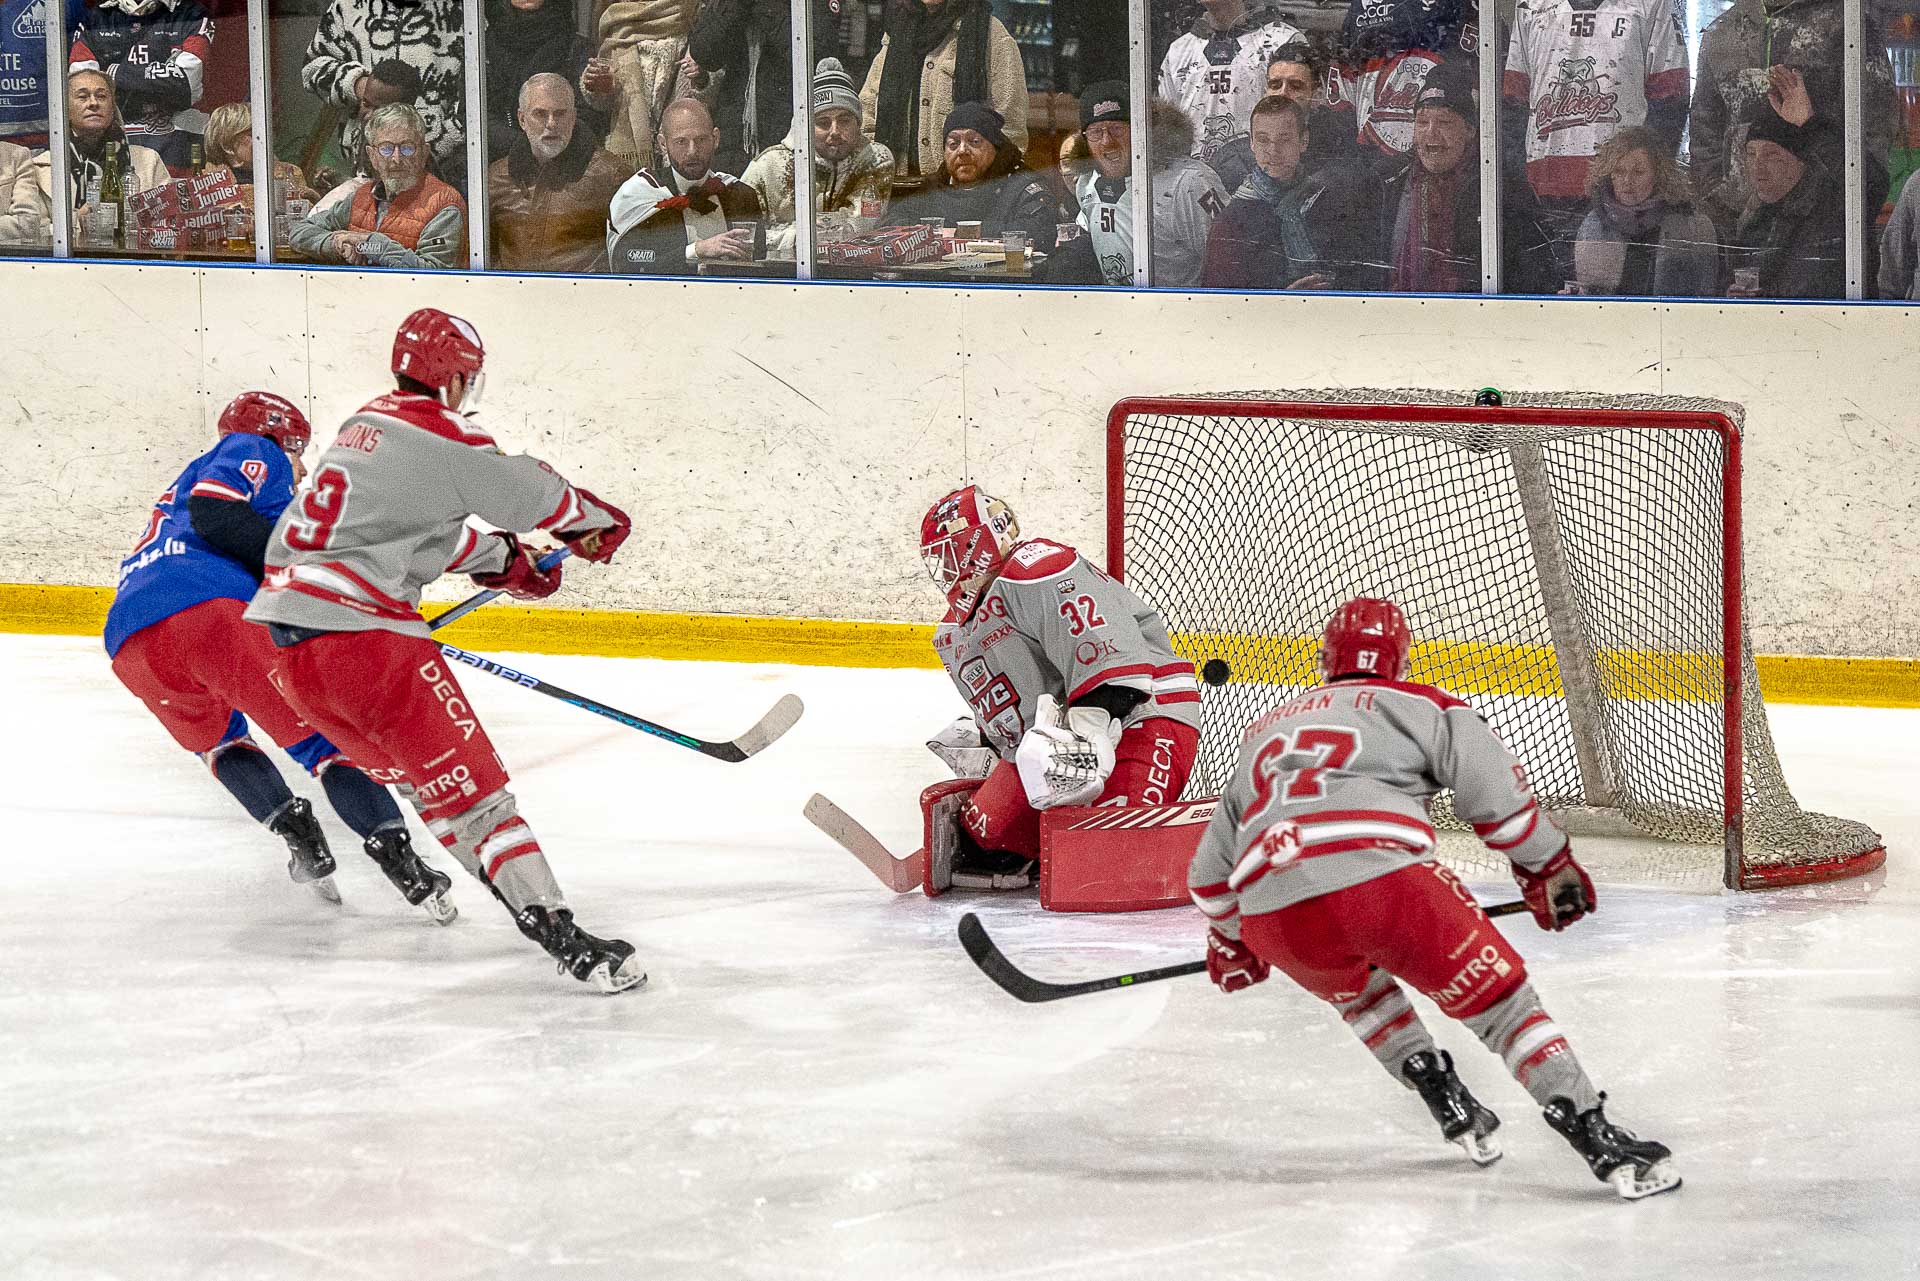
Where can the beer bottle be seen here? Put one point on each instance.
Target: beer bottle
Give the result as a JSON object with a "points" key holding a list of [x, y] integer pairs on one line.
{"points": [[113, 199], [197, 161]]}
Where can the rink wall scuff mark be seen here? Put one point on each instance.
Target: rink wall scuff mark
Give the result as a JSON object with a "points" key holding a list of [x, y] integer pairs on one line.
{"points": [[1465, 667]]}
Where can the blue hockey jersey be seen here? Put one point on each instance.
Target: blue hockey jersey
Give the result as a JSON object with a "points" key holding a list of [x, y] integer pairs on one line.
{"points": [[172, 568]]}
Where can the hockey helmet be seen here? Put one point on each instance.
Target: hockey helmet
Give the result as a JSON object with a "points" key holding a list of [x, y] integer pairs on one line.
{"points": [[261, 413], [1367, 634], [432, 347], [964, 538]]}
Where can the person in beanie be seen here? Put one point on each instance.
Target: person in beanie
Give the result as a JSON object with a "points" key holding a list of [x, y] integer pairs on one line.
{"points": [[1792, 231], [1217, 71], [668, 220], [1427, 239], [852, 175], [1187, 196], [983, 179], [935, 54]]}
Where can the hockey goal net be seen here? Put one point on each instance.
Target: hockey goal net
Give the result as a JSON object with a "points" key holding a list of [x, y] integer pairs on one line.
{"points": [[1569, 562]]}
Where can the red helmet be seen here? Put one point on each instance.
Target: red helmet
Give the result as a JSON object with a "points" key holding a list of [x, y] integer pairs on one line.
{"points": [[1366, 634], [261, 413], [963, 539], [432, 347]]}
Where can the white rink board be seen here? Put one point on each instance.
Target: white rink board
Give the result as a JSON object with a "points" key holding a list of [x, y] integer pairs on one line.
{"points": [[781, 441]]}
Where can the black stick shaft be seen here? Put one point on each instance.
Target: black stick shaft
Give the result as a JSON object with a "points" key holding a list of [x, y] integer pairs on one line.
{"points": [[478, 599]]}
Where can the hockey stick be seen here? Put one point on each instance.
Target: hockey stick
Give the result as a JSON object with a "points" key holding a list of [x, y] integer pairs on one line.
{"points": [[779, 718], [478, 599], [1024, 987], [897, 874]]}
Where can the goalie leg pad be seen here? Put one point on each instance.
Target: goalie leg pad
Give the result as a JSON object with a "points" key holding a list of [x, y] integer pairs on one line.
{"points": [[940, 810]]}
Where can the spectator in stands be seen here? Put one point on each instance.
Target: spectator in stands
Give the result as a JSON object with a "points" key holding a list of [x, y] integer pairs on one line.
{"points": [[1217, 70], [630, 79], [524, 39], [1293, 73], [741, 52], [1792, 233], [935, 54], [983, 179], [93, 121], [1427, 237], [1186, 197], [156, 53], [230, 143], [369, 54], [1387, 49], [1284, 228], [852, 175], [403, 217], [1643, 237], [1750, 57], [24, 216], [548, 196], [1900, 247], [690, 213]]}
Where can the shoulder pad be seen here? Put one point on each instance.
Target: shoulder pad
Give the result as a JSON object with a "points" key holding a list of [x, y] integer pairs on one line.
{"points": [[1036, 558], [430, 416], [1440, 698]]}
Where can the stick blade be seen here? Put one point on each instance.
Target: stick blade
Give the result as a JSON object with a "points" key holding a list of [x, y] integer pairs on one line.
{"points": [[780, 718], [993, 963], [897, 874]]}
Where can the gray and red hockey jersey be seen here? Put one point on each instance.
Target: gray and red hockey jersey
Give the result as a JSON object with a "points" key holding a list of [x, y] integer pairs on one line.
{"points": [[1331, 790], [1582, 70], [385, 513], [1387, 50], [1215, 77], [1054, 624]]}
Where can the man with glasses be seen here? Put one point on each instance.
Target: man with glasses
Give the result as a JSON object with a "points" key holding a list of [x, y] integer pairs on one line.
{"points": [[405, 217]]}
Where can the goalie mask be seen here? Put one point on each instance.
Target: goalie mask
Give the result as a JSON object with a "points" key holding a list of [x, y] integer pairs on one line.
{"points": [[964, 539], [1366, 635]]}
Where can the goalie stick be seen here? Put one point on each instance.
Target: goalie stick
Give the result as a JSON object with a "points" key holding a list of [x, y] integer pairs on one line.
{"points": [[1022, 986], [897, 874], [780, 718]]}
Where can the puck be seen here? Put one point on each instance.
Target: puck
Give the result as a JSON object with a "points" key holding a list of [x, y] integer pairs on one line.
{"points": [[1215, 671]]}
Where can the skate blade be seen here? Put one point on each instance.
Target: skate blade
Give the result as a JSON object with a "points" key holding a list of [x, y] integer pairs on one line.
{"points": [[1660, 1177], [443, 910], [1481, 1149], [324, 888], [629, 975]]}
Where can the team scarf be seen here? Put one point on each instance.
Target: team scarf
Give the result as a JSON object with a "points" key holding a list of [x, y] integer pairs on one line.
{"points": [[1288, 201], [917, 32]]}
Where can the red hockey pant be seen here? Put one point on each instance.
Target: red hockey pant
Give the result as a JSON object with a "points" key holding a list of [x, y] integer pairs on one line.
{"points": [[194, 669], [393, 704], [1418, 924], [1151, 765]]}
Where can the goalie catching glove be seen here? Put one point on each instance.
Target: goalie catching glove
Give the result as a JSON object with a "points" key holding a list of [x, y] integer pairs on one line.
{"points": [[522, 579], [1559, 894], [1067, 757]]}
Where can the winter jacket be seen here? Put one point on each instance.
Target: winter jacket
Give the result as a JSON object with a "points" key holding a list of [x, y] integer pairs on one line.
{"points": [[849, 197], [1798, 243], [1247, 248], [647, 232], [1006, 94], [1527, 263], [521, 44], [1731, 90], [1017, 201], [1678, 258], [422, 228], [357, 35], [1900, 247], [552, 217], [749, 44], [24, 213], [145, 171]]}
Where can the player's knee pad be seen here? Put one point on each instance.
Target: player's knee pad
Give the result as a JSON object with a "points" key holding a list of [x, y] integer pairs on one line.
{"points": [[315, 754], [235, 735]]}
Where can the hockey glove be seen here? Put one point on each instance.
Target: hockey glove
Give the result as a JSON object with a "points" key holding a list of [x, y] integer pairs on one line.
{"points": [[1232, 965], [600, 543], [1066, 758], [522, 579], [1559, 894]]}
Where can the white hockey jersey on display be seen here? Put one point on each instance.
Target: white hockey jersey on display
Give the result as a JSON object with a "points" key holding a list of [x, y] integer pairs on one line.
{"points": [[1187, 197], [1583, 70], [1215, 77]]}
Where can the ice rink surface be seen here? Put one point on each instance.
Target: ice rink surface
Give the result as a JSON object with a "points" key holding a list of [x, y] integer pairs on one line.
{"points": [[206, 1072]]}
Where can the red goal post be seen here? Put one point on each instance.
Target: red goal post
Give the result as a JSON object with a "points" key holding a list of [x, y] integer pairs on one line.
{"points": [[1571, 562]]}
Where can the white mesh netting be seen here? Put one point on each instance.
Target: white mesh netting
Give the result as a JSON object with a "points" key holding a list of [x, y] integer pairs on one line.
{"points": [[1567, 580]]}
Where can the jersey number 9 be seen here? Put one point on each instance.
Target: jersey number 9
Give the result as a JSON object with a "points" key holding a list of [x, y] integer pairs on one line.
{"points": [[321, 508]]}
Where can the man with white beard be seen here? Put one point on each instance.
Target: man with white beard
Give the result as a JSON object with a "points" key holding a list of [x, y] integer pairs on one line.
{"points": [[548, 197]]}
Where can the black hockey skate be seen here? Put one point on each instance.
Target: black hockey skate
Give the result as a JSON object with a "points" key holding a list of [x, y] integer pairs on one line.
{"points": [[1635, 1167], [1463, 1119], [608, 964], [311, 862], [423, 886]]}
